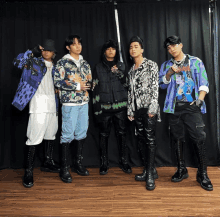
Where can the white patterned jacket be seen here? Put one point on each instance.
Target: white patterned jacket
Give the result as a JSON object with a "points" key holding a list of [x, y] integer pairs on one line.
{"points": [[143, 88]]}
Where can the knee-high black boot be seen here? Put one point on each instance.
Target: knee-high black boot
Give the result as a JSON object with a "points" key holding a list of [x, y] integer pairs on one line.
{"points": [[28, 181], [64, 170], [181, 172], [123, 153], [104, 155], [150, 157], [202, 176], [141, 149], [49, 164], [77, 162]]}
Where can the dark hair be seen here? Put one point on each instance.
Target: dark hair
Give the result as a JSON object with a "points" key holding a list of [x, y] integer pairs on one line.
{"points": [[108, 44], [137, 39], [172, 40], [70, 39]]}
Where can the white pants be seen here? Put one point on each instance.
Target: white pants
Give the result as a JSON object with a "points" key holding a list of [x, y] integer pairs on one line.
{"points": [[41, 126]]}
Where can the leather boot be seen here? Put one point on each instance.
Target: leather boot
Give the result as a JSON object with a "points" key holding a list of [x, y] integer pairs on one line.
{"points": [[77, 162], [150, 157], [142, 176], [64, 170], [202, 176], [104, 155], [28, 181], [182, 172], [49, 164], [123, 153]]}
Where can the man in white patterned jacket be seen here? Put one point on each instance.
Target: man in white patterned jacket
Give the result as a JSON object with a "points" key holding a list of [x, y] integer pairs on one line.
{"points": [[143, 108]]}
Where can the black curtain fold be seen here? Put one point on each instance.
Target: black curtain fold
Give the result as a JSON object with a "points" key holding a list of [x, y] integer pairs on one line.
{"points": [[154, 21], [215, 27], [22, 25]]}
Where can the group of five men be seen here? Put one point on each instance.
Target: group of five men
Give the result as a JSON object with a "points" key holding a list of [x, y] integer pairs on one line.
{"points": [[117, 98]]}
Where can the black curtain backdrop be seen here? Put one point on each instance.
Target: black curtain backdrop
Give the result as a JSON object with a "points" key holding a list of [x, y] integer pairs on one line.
{"points": [[215, 26], [154, 21], [22, 25]]}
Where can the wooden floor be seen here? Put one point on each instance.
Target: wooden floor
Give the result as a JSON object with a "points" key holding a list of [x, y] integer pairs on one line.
{"points": [[114, 194]]}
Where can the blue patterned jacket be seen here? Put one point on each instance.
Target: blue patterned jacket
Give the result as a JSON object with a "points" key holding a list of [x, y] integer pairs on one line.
{"points": [[66, 70], [199, 76], [34, 70]]}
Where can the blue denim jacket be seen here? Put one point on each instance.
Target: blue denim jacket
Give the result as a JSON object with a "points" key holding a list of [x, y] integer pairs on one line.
{"points": [[33, 72], [199, 76]]}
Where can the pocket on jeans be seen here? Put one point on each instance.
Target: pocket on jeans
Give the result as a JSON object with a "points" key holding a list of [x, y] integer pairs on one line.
{"points": [[66, 110]]}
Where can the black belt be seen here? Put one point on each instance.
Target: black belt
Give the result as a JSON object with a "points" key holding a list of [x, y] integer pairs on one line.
{"points": [[182, 103]]}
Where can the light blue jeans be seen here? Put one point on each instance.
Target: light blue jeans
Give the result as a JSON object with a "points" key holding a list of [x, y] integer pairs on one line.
{"points": [[75, 122]]}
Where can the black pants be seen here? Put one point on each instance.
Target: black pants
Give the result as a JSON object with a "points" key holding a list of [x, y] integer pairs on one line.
{"points": [[119, 119], [189, 117], [145, 127]]}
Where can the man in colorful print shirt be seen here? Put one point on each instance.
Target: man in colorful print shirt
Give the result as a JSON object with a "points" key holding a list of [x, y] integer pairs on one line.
{"points": [[186, 81], [72, 77]]}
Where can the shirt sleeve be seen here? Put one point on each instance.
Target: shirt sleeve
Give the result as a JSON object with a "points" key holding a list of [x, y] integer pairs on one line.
{"points": [[153, 107], [129, 105], [96, 97], [202, 78], [163, 83], [22, 59]]}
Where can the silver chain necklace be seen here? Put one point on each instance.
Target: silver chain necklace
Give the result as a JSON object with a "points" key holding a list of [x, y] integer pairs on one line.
{"points": [[180, 62]]}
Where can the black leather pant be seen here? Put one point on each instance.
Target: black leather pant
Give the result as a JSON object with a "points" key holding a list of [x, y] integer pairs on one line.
{"points": [[119, 119], [146, 127]]}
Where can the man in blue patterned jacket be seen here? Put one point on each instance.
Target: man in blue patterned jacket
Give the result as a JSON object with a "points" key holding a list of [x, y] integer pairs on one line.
{"points": [[36, 86], [186, 81], [71, 77]]}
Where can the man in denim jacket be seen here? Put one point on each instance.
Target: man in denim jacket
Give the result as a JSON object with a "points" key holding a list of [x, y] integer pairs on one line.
{"points": [[36, 86], [186, 81]]}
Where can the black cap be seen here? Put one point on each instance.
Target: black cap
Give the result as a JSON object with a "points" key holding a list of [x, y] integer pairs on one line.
{"points": [[49, 45]]}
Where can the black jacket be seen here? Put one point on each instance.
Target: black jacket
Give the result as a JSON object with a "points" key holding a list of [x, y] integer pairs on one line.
{"points": [[110, 91]]}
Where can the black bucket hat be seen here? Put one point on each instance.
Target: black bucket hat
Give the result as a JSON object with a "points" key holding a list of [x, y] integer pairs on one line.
{"points": [[49, 45]]}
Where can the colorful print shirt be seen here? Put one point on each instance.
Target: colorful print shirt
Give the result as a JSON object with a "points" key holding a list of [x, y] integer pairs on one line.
{"points": [[66, 70], [199, 77], [184, 83]]}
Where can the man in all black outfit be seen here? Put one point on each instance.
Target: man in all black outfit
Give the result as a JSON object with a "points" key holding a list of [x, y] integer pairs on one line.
{"points": [[110, 103]]}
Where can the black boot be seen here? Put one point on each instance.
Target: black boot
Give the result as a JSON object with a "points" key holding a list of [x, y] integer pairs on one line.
{"points": [[142, 176], [77, 162], [104, 155], [49, 164], [202, 176], [28, 175], [64, 170], [123, 153], [150, 157], [181, 172]]}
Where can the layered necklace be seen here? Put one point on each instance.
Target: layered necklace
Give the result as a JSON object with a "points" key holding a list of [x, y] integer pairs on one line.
{"points": [[180, 63]]}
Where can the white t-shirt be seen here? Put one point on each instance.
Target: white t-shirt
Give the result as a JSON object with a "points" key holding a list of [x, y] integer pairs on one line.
{"points": [[44, 99]]}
